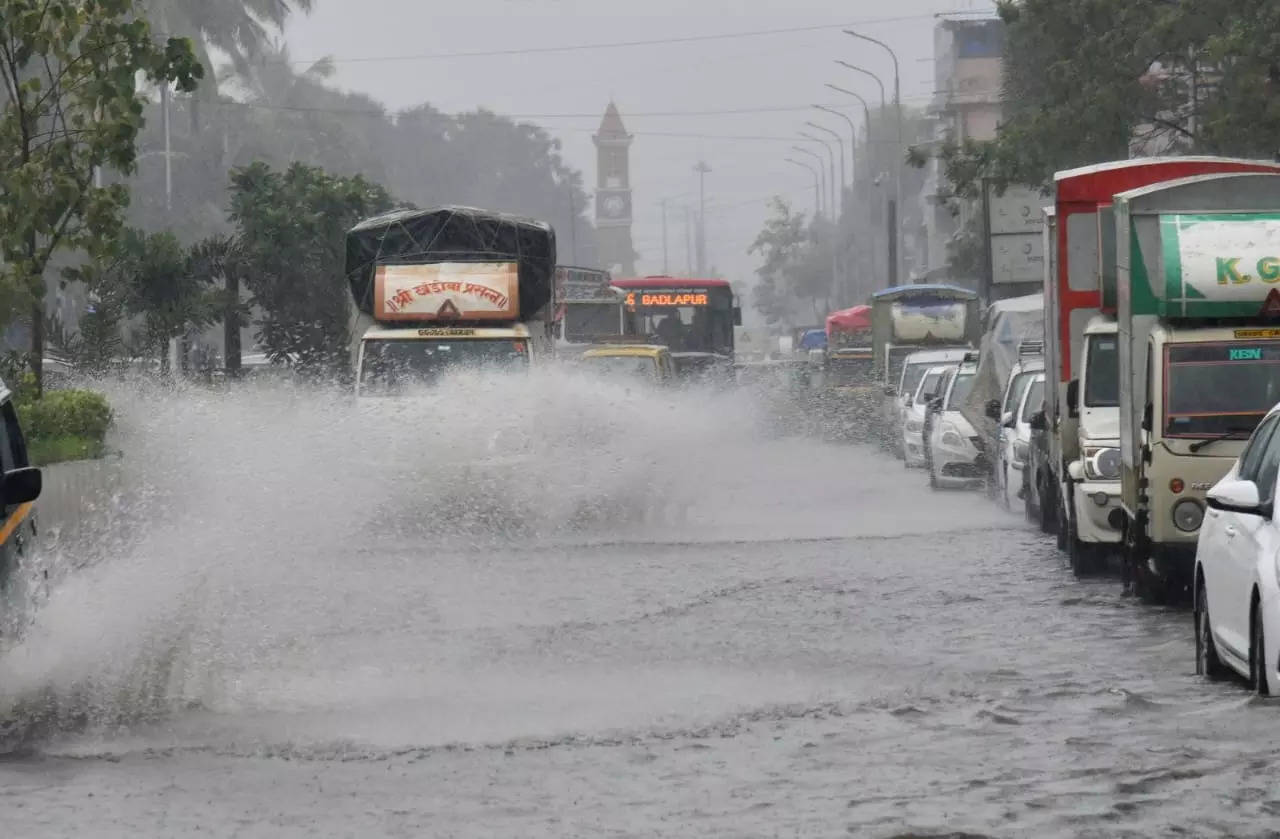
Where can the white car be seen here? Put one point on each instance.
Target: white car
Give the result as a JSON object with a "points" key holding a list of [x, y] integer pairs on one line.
{"points": [[929, 387], [1006, 414], [1016, 443], [955, 449], [914, 367], [1237, 594]]}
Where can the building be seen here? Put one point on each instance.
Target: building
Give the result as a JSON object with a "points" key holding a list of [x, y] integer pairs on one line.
{"points": [[968, 76], [614, 246]]}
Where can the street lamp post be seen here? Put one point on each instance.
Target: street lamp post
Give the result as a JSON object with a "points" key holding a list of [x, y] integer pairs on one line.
{"points": [[821, 168], [835, 213], [840, 143], [897, 104], [817, 184], [831, 161], [853, 141]]}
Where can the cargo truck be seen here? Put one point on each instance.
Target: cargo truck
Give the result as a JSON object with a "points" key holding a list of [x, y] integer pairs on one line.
{"points": [[1198, 270], [445, 289], [906, 319], [1080, 491]]}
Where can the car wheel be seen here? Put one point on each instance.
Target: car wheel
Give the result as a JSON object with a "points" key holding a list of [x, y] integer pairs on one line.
{"points": [[1208, 664], [1258, 654], [1061, 529]]}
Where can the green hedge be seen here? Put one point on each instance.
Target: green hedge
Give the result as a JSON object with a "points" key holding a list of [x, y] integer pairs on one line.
{"points": [[64, 425]]}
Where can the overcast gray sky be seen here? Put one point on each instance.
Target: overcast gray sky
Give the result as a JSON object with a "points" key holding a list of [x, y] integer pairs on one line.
{"points": [[379, 43]]}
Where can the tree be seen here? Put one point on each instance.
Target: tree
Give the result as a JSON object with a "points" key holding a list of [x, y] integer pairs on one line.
{"points": [[223, 260], [797, 265], [71, 108], [292, 227], [1095, 80], [241, 29]]}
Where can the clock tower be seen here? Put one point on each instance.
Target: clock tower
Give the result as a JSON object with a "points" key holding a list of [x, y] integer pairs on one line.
{"points": [[613, 195]]}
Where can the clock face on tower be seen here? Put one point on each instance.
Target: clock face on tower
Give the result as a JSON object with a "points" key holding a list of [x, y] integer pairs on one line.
{"points": [[613, 206]]}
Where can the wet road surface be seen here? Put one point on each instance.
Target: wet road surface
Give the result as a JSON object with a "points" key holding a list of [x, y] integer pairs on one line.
{"points": [[820, 646]]}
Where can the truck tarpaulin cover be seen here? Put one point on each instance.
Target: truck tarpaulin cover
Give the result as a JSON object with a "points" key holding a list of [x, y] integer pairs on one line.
{"points": [[452, 235], [1009, 323], [856, 319]]}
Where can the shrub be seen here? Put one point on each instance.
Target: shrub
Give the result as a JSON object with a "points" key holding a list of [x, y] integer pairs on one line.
{"points": [[64, 424]]}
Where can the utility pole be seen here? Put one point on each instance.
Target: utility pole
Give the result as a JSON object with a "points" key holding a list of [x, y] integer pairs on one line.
{"points": [[817, 184], [688, 243], [665, 270], [168, 148], [702, 169]]}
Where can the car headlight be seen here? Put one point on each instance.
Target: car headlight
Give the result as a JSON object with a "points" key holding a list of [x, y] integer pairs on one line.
{"points": [[1102, 463], [951, 435], [915, 426], [1020, 451], [1188, 515]]}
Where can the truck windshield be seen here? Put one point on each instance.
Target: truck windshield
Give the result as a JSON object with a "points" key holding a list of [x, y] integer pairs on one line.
{"points": [[389, 365], [960, 391], [1102, 372], [1215, 388]]}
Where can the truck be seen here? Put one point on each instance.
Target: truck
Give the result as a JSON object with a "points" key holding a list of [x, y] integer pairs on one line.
{"points": [[447, 288], [591, 309], [905, 319], [1198, 263], [1079, 494]]}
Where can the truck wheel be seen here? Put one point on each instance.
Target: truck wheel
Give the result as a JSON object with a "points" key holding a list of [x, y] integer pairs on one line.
{"points": [[1048, 520], [1082, 555], [1208, 664]]}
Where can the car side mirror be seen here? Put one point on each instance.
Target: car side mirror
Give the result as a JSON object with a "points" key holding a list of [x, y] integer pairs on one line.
{"points": [[1038, 422], [1006, 421], [1073, 398], [737, 316], [21, 486], [1236, 497], [993, 409], [1146, 417]]}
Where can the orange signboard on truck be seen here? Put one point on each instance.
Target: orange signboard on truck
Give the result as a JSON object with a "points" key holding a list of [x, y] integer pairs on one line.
{"points": [[447, 291]]}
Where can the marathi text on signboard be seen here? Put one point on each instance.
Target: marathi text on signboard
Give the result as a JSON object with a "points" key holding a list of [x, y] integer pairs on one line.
{"points": [[447, 291]]}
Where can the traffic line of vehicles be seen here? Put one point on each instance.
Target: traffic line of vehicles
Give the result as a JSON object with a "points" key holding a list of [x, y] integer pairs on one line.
{"points": [[1138, 415]]}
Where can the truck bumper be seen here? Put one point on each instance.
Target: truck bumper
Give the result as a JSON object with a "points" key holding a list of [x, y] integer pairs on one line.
{"points": [[1098, 523]]}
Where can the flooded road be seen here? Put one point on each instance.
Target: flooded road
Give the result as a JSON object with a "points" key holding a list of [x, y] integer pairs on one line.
{"points": [[811, 644]]}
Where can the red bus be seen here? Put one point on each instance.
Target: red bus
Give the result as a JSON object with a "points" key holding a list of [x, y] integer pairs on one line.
{"points": [[686, 314]]}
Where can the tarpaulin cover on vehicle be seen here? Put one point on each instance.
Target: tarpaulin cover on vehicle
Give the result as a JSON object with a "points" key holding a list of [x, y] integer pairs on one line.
{"points": [[1009, 323], [849, 321], [453, 235]]}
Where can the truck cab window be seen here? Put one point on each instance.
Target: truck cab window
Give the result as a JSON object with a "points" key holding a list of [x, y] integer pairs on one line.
{"points": [[1102, 373]]}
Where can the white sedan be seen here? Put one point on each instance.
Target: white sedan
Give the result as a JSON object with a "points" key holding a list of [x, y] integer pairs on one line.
{"points": [[913, 418], [955, 454], [1237, 596], [1016, 441]]}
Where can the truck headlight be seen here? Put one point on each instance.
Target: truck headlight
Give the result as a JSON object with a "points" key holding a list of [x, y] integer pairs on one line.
{"points": [[1020, 451], [1188, 515], [1102, 463]]}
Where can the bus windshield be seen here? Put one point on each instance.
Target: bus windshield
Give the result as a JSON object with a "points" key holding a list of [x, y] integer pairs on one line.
{"points": [[590, 320], [1219, 388], [389, 366], [685, 318]]}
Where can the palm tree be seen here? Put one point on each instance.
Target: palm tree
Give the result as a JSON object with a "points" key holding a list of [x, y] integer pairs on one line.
{"points": [[242, 29]]}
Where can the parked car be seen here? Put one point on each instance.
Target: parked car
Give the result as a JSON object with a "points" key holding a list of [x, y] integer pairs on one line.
{"points": [[1015, 451], [1006, 413], [1037, 473], [902, 395], [1237, 596], [957, 455], [929, 388]]}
